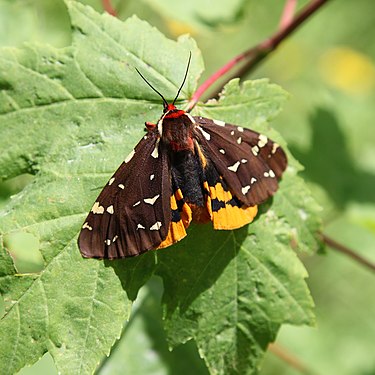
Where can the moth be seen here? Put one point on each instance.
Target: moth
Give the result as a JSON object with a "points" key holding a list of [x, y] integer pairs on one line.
{"points": [[186, 168]]}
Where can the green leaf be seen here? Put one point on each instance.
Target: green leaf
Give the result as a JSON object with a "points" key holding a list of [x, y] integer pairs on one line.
{"points": [[71, 116]]}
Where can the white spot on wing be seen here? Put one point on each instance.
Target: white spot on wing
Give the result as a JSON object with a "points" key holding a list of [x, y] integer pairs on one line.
{"points": [[270, 173], [155, 153], [219, 122], [110, 209], [156, 226], [239, 140], [86, 226], [222, 151], [205, 134], [115, 238], [255, 150], [107, 242], [136, 203], [275, 146], [151, 200], [140, 226], [253, 180], [129, 157], [97, 208], [110, 182], [245, 189], [232, 132], [262, 140], [152, 177], [234, 167], [243, 161], [121, 186], [240, 129]]}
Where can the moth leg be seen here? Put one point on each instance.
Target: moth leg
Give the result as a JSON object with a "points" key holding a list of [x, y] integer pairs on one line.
{"points": [[149, 126]]}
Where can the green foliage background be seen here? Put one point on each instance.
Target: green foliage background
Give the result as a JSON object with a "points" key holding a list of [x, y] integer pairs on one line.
{"points": [[328, 67]]}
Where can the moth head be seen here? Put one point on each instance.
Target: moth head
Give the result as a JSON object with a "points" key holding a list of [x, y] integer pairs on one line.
{"points": [[169, 108]]}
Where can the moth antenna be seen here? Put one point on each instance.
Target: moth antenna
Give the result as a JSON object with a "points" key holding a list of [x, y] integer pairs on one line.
{"points": [[183, 82], [164, 101]]}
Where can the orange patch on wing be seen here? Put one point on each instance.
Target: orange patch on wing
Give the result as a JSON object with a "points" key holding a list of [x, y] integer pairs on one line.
{"points": [[178, 196], [176, 233], [232, 217], [218, 192], [229, 216], [186, 214], [177, 229]]}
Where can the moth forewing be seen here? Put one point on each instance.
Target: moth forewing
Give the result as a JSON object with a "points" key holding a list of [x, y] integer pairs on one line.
{"points": [[132, 213]]}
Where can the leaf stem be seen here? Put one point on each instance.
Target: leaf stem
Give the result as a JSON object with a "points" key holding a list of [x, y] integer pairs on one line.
{"points": [[349, 252], [260, 51], [107, 6], [288, 13], [289, 358]]}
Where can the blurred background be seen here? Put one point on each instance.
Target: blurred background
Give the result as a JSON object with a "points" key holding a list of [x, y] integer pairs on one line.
{"points": [[328, 67]]}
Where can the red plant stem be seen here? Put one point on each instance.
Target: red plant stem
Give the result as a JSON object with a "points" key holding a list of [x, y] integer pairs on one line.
{"points": [[345, 250], [260, 51], [107, 6], [212, 79], [289, 358], [288, 13]]}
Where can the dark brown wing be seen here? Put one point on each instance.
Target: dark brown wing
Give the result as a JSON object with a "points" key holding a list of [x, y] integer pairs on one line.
{"points": [[132, 213], [249, 162]]}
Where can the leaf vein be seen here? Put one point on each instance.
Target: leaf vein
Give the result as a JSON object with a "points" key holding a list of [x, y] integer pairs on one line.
{"points": [[100, 92], [272, 276], [200, 275], [82, 101], [17, 340], [45, 76], [95, 289], [11, 100], [127, 51]]}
